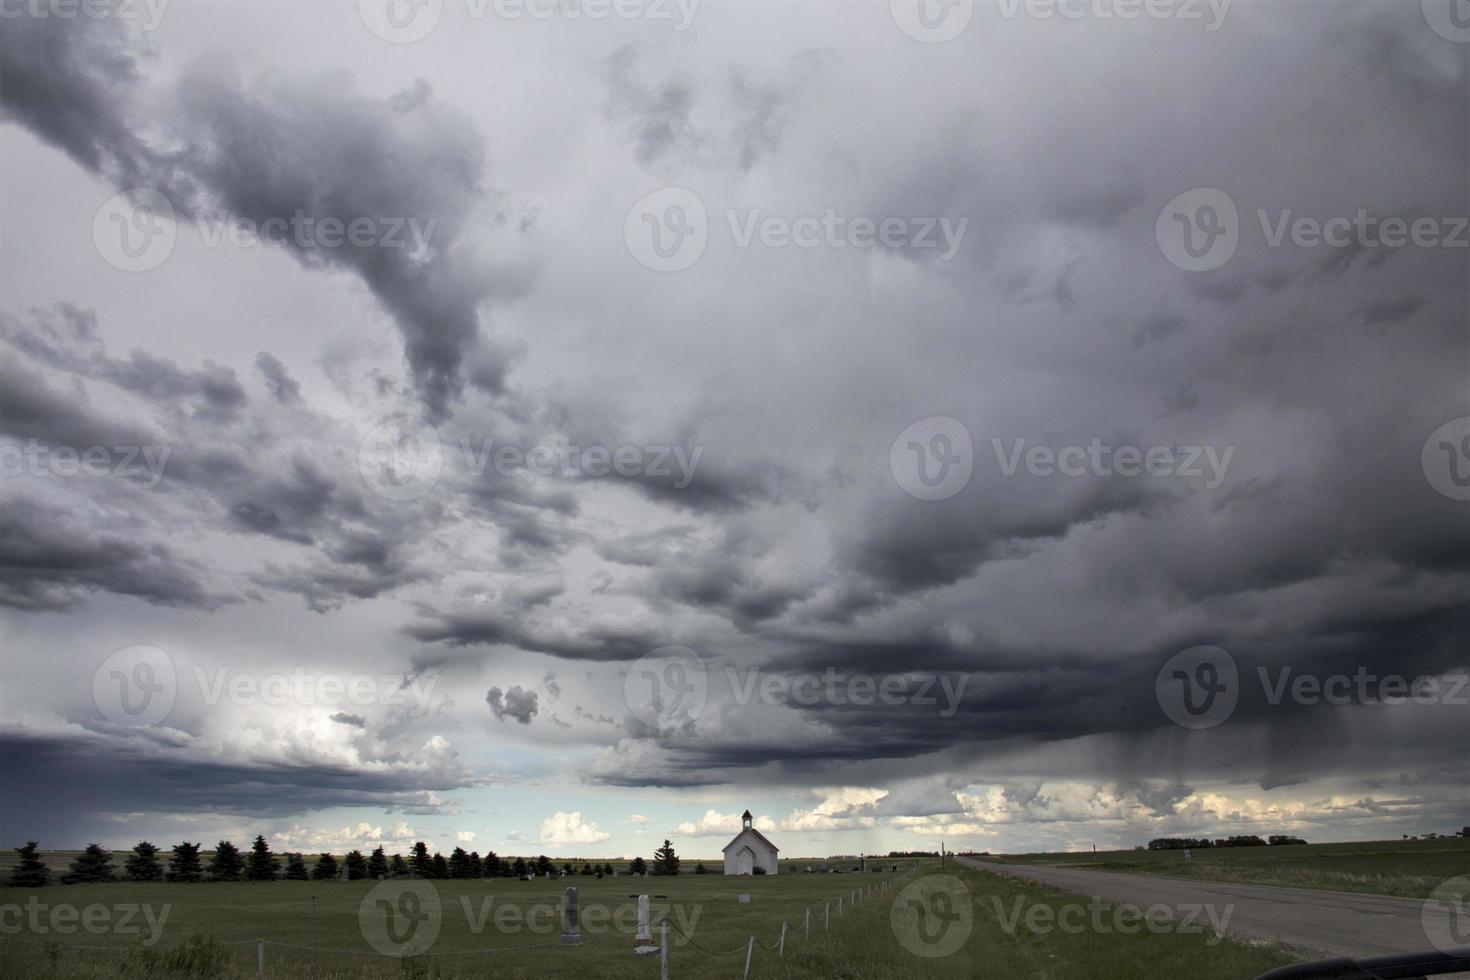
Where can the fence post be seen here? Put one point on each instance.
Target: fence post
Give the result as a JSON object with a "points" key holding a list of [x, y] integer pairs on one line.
{"points": [[807, 926], [749, 952], [827, 917], [663, 952], [260, 957], [781, 949]]}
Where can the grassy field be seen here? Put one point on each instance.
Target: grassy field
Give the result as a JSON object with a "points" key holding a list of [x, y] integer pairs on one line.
{"points": [[210, 928], [1409, 869]]}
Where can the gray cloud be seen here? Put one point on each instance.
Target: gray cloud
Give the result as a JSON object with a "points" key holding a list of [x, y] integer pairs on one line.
{"points": [[516, 703]]}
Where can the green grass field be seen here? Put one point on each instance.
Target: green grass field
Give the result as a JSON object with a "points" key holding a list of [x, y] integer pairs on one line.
{"points": [[1409, 869], [222, 920]]}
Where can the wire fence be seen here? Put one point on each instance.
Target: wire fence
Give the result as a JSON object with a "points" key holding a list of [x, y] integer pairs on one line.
{"points": [[848, 901]]}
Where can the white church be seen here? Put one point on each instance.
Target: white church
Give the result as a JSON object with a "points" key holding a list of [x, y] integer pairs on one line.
{"points": [[750, 850]]}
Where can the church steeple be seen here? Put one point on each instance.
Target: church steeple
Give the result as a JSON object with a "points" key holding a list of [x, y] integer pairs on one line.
{"points": [[745, 819]]}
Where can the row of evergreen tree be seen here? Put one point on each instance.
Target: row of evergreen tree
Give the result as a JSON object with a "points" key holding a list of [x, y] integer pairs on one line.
{"points": [[227, 863]]}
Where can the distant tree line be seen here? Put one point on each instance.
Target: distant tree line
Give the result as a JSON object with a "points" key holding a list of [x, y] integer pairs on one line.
{"points": [[1197, 843], [913, 854], [186, 863]]}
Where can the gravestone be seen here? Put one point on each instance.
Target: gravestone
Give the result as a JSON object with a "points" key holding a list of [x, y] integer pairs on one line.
{"points": [[643, 941], [744, 898], [571, 930]]}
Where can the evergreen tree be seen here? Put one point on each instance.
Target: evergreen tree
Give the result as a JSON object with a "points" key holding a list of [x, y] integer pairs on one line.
{"points": [[377, 864], [607, 869], [184, 866], [477, 866], [567, 869], [398, 866], [143, 863], [92, 865], [520, 867], [459, 863], [699, 869], [544, 866], [423, 865], [638, 867], [665, 861], [586, 870], [441, 866], [30, 871], [493, 865], [357, 866], [262, 864], [225, 864], [326, 868], [296, 868]]}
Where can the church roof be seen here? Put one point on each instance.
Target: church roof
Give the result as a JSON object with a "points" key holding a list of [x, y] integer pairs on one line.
{"points": [[758, 835]]}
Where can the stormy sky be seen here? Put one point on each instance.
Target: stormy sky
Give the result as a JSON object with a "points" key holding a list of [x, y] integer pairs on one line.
{"points": [[552, 427]]}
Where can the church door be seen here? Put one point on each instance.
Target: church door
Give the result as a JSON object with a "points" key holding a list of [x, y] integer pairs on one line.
{"points": [[745, 861]]}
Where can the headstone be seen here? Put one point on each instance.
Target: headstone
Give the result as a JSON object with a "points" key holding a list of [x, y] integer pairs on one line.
{"points": [[744, 898], [643, 941], [571, 930]]}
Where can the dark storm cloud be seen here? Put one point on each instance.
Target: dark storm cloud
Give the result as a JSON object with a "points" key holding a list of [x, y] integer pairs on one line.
{"points": [[1386, 312], [594, 642], [65, 337], [71, 83], [904, 549], [645, 549], [285, 389], [661, 119], [701, 484], [51, 559], [85, 776], [1056, 600], [289, 485], [31, 409], [517, 703], [1158, 328], [274, 149], [1095, 207]]}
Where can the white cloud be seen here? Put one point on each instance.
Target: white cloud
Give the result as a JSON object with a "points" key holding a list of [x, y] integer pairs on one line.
{"points": [[362, 836], [838, 811], [464, 836], [570, 828], [714, 823]]}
